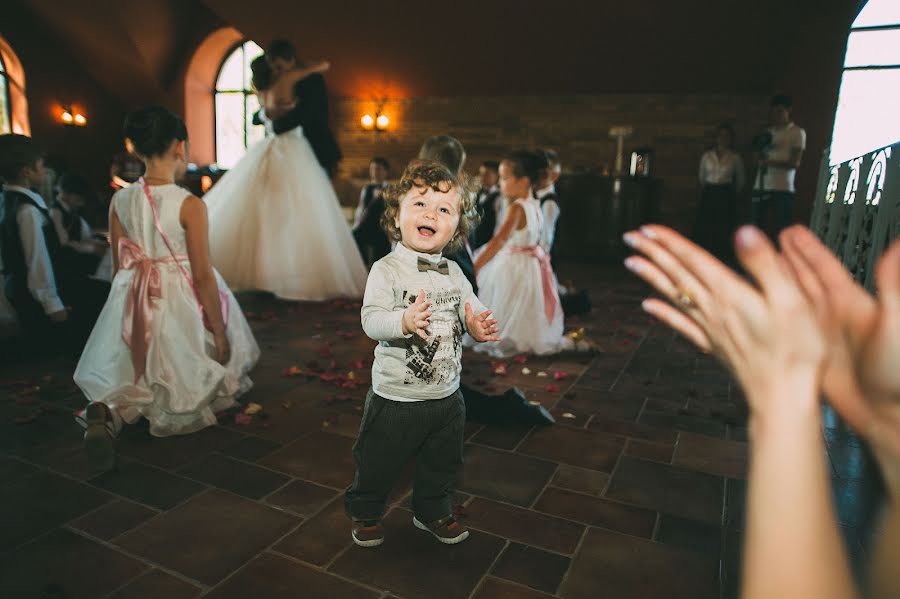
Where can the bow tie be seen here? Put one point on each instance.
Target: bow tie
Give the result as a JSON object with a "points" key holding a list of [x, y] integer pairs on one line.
{"points": [[425, 265]]}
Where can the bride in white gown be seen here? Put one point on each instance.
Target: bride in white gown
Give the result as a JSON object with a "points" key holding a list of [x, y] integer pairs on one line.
{"points": [[274, 219]]}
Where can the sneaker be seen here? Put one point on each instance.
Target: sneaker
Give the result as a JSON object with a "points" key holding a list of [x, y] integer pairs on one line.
{"points": [[367, 533], [99, 437], [447, 530]]}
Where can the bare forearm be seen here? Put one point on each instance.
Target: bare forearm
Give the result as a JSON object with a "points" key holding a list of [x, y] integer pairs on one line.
{"points": [[208, 294], [792, 547]]}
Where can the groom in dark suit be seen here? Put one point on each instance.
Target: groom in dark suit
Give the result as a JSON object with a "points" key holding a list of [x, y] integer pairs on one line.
{"points": [[311, 111]]}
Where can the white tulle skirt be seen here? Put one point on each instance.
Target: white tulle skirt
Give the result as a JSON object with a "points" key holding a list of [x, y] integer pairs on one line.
{"points": [[275, 224], [183, 386]]}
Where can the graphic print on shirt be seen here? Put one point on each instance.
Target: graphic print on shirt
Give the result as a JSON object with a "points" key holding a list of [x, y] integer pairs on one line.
{"points": [[435, 361]]}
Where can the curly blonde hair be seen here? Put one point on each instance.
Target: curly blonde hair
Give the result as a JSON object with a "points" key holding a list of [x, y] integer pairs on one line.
{"points": [[422, 174]]}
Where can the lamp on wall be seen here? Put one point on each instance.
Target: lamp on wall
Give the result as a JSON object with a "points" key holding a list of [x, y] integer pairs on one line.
{"points": [[378, 122], [72, 116]]}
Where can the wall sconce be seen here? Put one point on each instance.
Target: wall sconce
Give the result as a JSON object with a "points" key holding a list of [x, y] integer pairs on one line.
{"points": [[379, 122], [71, 116]]}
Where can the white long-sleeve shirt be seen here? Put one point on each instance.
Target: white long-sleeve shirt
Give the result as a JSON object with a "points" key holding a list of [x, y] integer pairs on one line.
{"points": [[85, 246], [407, 368], [550, 209], [41, 281], [727, 169]]}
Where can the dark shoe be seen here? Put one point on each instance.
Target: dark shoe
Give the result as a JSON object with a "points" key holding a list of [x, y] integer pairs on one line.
{"points": [[446, 530], [367, 533], [522, 412], [99, 437]]}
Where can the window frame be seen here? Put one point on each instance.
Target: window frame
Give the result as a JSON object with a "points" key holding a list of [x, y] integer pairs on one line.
{"points": [[246, 92]]}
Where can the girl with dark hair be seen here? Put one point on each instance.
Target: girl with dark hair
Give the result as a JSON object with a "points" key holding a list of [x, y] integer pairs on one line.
{"points": [[171, 344], [275, 220], [514, 272]]}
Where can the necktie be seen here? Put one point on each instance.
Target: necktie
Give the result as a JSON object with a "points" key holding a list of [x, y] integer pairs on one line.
{"points": [[425, 265]]}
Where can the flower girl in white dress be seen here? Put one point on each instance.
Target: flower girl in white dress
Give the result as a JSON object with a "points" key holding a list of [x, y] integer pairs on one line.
{"points": [[514, 273], [171, 343]]}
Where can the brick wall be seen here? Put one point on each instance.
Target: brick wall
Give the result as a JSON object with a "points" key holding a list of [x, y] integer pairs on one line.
{"points": [[679, 127]]}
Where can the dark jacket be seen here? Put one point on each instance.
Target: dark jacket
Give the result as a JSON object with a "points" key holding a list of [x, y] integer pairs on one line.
{"points": [[311, 113]]}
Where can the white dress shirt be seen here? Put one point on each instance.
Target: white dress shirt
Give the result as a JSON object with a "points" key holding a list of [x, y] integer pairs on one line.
{"points": [[727, 169], [41, 282], [550, 209], [85, 246]]}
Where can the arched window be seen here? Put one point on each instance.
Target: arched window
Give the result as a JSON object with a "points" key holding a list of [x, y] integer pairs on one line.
{"points": [[866, 116], [5, 108], [235, 105], [13, 104]]}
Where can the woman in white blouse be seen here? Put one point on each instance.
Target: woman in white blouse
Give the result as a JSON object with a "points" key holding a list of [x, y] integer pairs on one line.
{"points": [[721, 180]]}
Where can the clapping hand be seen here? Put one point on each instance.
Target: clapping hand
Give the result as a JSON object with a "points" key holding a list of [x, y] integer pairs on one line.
{"points": [[415, 317], [481, 327], [861, 379]]}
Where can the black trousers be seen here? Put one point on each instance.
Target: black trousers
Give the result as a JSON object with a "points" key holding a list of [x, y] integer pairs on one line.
{"points": [[781, 202], [393, 432], [716, 219]]}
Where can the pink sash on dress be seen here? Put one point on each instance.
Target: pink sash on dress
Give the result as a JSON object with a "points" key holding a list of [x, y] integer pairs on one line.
{"points": [[145, 285], [551, 294]]}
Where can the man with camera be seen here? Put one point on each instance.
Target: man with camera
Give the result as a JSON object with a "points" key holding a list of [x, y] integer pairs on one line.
{"points": [[779, 150]]}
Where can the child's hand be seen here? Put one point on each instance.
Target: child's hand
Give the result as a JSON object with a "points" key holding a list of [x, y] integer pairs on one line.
{"points": [[415, 317], [481, 327]]}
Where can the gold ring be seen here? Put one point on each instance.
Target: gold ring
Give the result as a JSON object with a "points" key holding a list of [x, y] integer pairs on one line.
{"points": [[685, 299]]}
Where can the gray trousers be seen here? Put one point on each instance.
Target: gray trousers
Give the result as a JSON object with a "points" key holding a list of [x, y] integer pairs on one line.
{"points": [[390, 434]]}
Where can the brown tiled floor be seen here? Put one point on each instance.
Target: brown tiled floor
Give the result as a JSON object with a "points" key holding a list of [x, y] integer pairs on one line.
{"points": [[637, 491]]}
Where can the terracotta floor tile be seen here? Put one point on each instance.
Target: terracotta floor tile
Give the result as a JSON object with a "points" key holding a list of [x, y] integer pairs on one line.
{"points": [[39, 502], [501, 437], [156, 584], [412, 563], [146, 484], [531, 567], [113, 519], [613, 565], [524, 526], [320, 538], [275, 577], [210, 536], [494, 588], [301, 497], [232, 475], [504, 476], [668, 489], [687, 534], [175, 451], [250, 449], [634, 430], [597, 451], [597, 512], [582, 480], [648, 450], [714, 456], [318, 457], [55, 566]]}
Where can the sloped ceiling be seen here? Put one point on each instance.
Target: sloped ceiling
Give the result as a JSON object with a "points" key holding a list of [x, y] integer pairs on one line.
{"points": [[138, 49]]}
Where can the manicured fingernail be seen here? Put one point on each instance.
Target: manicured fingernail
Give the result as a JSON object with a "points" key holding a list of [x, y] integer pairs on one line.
{"points": [[648, 232], [630, 239], [747, 236], [646, 306], [633, 264]]}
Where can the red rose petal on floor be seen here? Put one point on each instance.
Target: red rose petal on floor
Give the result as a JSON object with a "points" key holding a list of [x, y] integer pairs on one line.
{"points": [[551, 388], [520, 359], [325, 352], [460, 510], [242, 419], [559, 375]]}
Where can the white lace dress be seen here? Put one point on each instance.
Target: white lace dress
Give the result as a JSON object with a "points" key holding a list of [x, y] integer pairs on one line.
{"points": [[513, 283], [182, 386]]}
